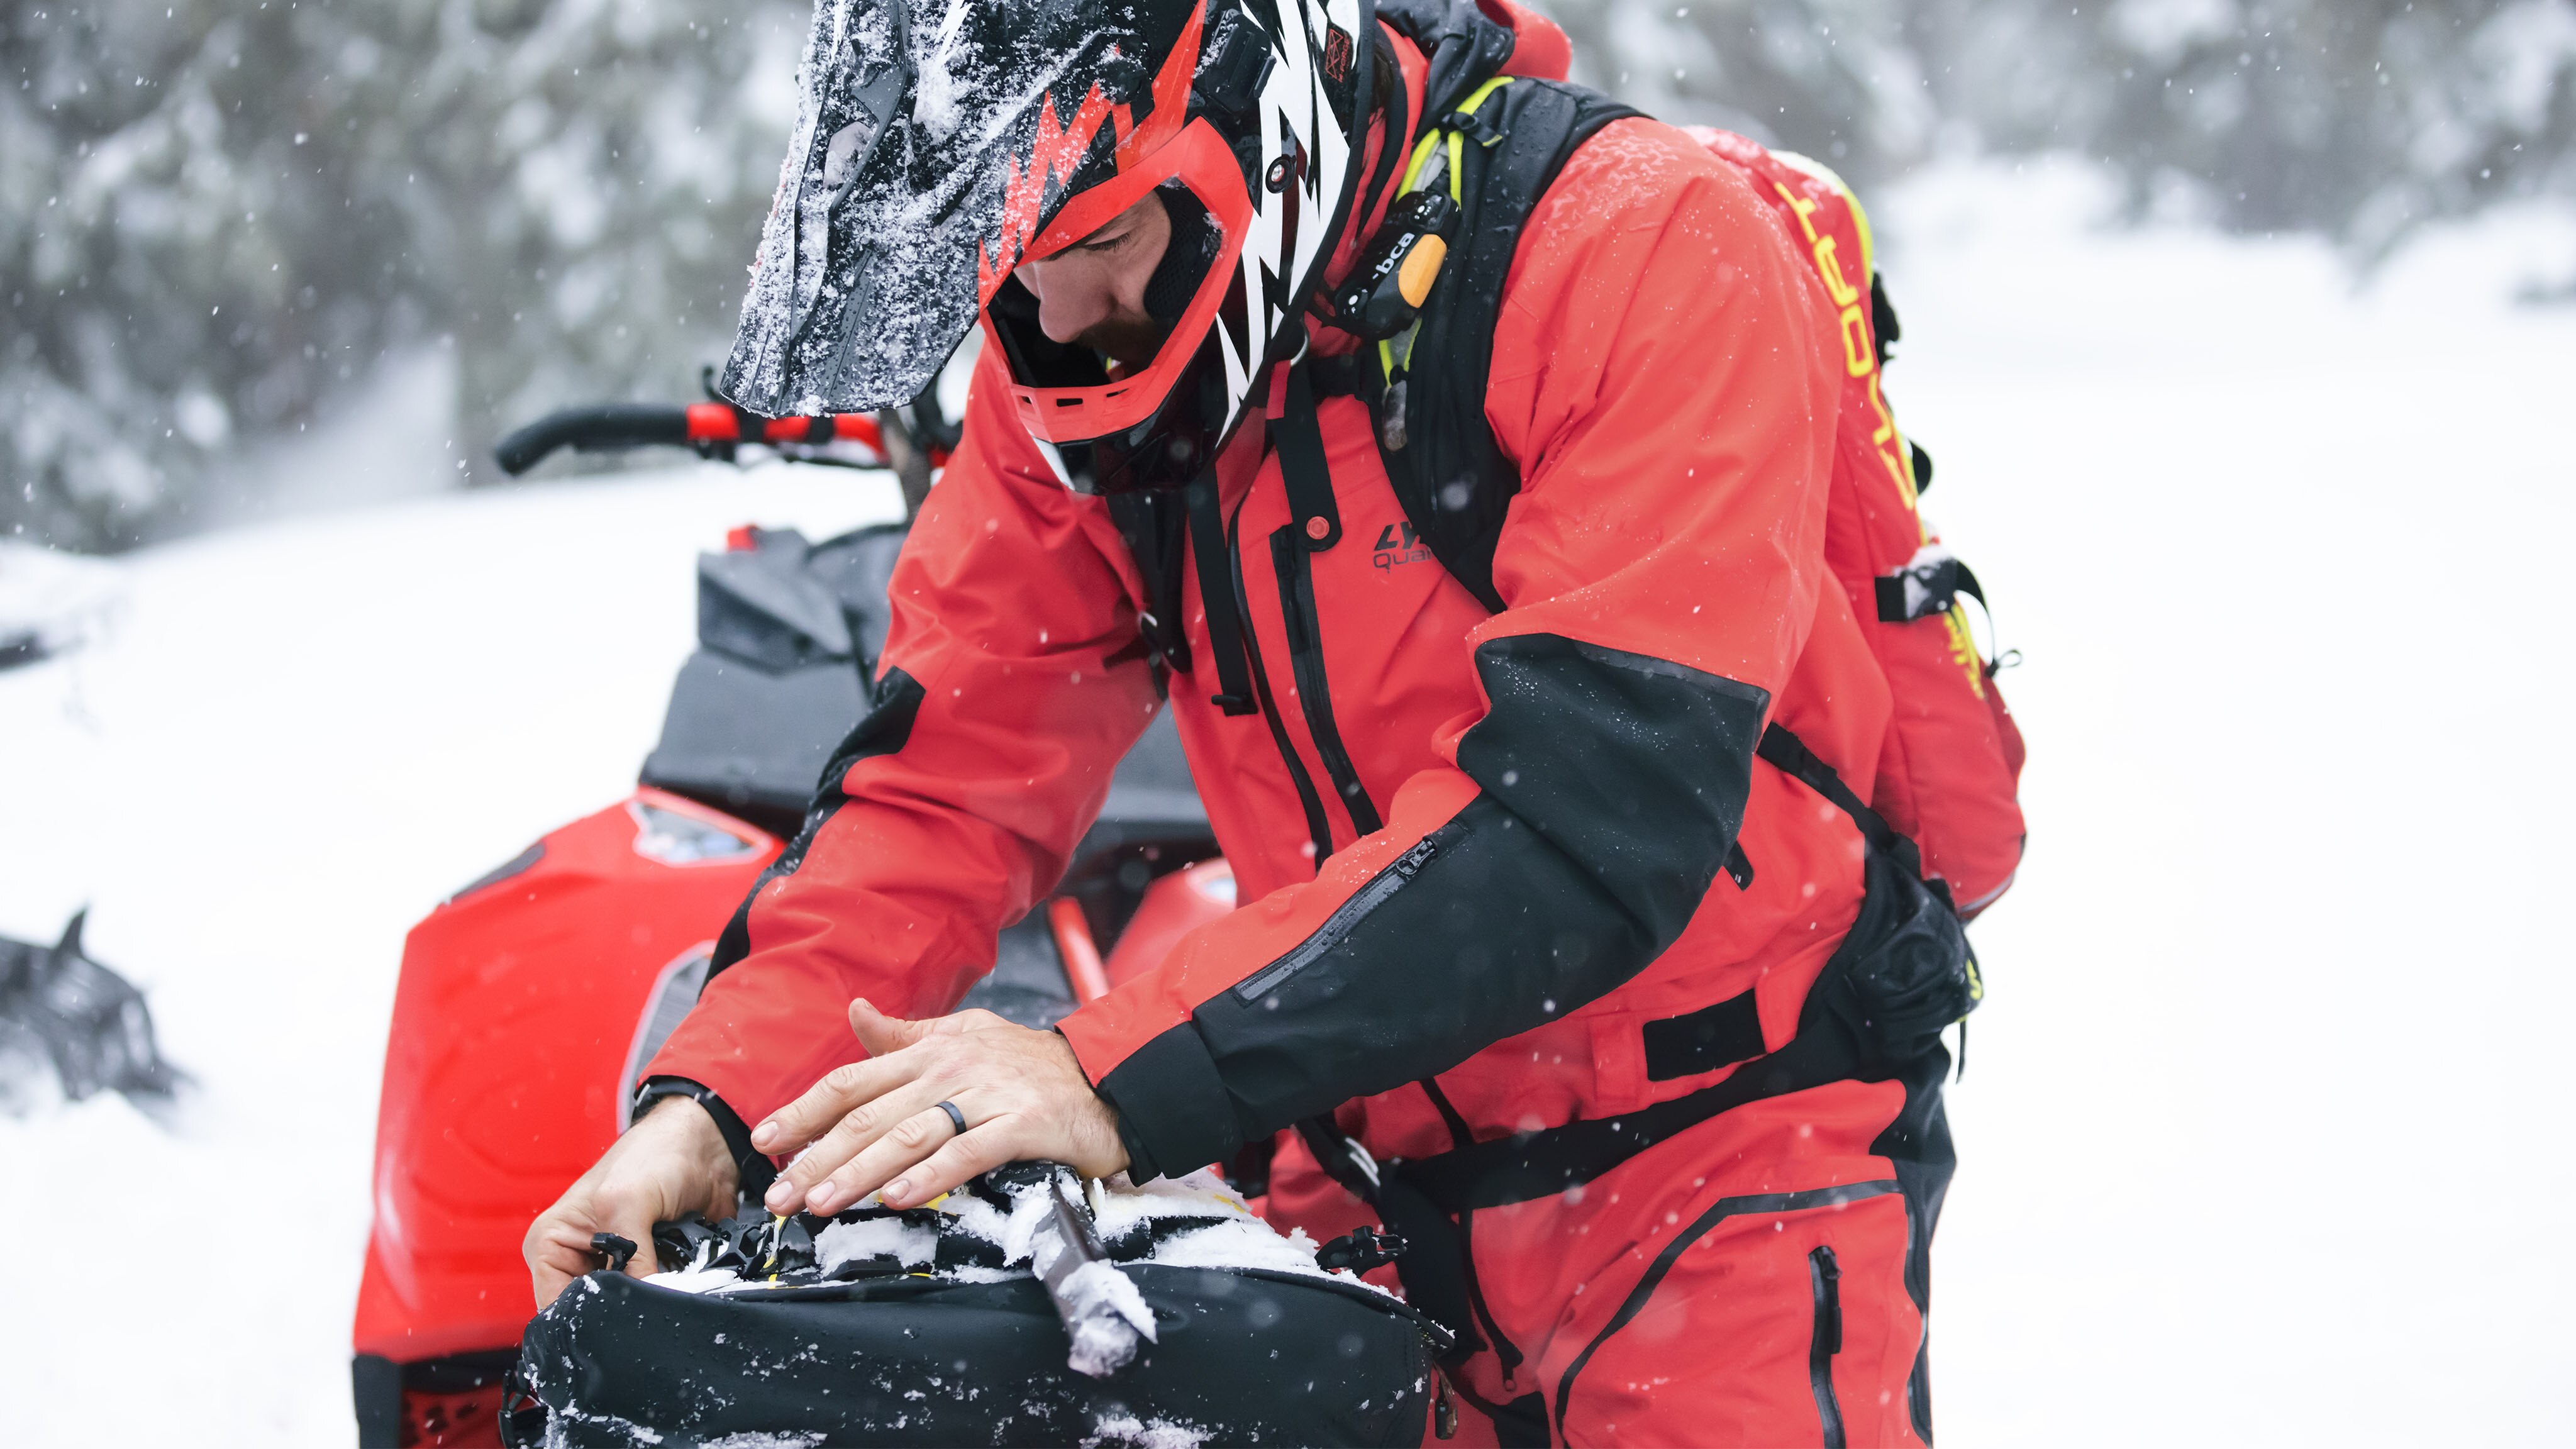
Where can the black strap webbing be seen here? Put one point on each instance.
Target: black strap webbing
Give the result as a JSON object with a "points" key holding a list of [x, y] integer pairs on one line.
{"points": [[1791, 755], [1967, 584], [1934, 587], [1350, 376], [1216, 595], [1704, 1040], [1434, 1265], [1309, 479], [1542, 1164]]}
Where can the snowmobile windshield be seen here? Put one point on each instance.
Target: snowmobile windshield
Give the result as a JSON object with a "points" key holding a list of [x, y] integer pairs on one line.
{"points": [[933, 139]]}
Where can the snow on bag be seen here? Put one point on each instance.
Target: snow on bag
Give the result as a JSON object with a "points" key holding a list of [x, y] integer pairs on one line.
{"points": [[1027, 1308]]}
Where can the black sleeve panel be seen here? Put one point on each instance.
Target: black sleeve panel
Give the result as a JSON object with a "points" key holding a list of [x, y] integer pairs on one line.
{"points": [[1637, 768], [1170, 1101], [1614, 785]]}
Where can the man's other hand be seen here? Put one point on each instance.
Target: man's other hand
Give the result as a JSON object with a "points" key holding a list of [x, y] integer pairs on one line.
{"points": [[669, 1165], [878, 1123]]}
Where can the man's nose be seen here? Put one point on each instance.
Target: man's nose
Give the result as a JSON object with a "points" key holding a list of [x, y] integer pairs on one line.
{"points": [[1069, 302]]}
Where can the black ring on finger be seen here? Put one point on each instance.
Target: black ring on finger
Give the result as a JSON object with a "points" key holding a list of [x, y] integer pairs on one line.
{"points": [[954, 1116]]}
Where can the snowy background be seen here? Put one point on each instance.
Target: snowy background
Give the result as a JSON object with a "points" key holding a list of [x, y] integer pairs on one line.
{"points": [[219, 219], [2260, 1123]]}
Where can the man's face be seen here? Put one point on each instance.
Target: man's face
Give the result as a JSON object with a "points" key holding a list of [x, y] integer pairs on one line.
{"points": [[1093, 292]]}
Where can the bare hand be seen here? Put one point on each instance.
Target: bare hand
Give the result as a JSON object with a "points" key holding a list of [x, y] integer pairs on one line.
{"points": [[669, 1165], [877, 1123]]}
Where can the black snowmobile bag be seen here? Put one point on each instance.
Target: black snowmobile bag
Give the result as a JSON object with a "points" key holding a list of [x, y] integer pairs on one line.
{"points": [[1009, 1312], [1241, 1356]]}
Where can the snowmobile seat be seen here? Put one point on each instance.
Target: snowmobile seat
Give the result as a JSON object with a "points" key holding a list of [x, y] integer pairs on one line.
{"points": [[788, 636]]}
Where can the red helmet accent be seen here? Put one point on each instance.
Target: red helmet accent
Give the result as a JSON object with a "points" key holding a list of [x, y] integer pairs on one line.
{"points": [[1200, 160], [1058, 150]]}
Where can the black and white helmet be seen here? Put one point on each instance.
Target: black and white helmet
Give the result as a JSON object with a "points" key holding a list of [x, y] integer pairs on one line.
{"points": [[942, 143]]}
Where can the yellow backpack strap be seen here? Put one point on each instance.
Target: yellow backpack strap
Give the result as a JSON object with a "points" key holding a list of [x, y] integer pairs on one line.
{"points": [[1445, 140]]}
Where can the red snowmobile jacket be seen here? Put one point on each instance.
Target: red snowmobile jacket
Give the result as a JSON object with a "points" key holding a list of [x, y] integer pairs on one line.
{"points": [[1548, 827]]}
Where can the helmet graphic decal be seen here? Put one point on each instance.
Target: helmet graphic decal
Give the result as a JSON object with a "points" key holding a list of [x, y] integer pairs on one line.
{"points": [[1056, 153]]}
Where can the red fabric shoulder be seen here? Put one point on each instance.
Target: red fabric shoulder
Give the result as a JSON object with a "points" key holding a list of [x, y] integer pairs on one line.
{"points": [[1540, 50]]}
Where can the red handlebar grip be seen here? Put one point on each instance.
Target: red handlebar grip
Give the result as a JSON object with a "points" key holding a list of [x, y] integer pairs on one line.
{"points": [[713, 423], [717, 423], [859, 427]]}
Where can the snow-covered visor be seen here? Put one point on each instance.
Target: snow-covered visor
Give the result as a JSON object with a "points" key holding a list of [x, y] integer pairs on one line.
{"points": [[1069, 394], [934, 139]]}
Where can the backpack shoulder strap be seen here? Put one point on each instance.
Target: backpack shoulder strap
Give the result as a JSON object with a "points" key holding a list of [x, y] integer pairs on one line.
{"points": [[1496, 152]]}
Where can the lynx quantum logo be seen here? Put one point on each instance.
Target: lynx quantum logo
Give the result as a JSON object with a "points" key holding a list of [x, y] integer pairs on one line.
{"points": [[1397, 544]]}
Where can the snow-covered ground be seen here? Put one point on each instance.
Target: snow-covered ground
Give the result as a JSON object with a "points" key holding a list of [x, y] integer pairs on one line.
{"points": [[300, 738], [2263, 1121], [2260, 1121]]}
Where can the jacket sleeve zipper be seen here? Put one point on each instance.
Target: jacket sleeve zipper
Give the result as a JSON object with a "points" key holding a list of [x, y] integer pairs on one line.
{"points": [[1344, 919]]}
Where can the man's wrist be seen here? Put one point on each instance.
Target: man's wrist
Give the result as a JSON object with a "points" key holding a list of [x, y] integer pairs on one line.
{"points": [[1127, 1143], [753, 1171]]}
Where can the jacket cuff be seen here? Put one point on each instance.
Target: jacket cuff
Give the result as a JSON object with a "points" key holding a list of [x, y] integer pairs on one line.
{"points": [[753, 1170], [1174, 1112]]}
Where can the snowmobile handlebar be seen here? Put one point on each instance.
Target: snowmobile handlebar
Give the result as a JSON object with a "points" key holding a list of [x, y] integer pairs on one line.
{"points": [[712, 428]]}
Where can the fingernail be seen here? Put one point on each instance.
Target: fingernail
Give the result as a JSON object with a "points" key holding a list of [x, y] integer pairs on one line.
{"points": [[763, 1135], [820, 1199], [901, 1187], [781, 1193]]}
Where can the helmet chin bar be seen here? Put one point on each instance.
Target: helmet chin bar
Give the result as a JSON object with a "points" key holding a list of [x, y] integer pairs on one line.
{"points": [[1168, 450], [1290, 138], [1064, 394]]}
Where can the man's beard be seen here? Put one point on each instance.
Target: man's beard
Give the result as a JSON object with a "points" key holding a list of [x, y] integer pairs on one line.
{"points": [[1131, 343]]}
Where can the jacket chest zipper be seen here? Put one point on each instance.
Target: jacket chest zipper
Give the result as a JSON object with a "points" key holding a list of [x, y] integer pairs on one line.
{"points": [[1318, 829], [1293, 562]]}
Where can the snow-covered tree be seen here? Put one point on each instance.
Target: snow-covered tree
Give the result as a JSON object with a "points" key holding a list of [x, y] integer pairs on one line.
{"points": [[1841, 80], [2360, 118], [214, 213]]}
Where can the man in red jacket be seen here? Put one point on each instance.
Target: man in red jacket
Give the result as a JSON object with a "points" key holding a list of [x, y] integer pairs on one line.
{"points": [[1511, 863]]}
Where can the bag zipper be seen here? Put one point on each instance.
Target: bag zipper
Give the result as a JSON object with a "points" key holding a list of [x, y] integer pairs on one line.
{"points": [[1344, 919], [1825, 1276]]}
